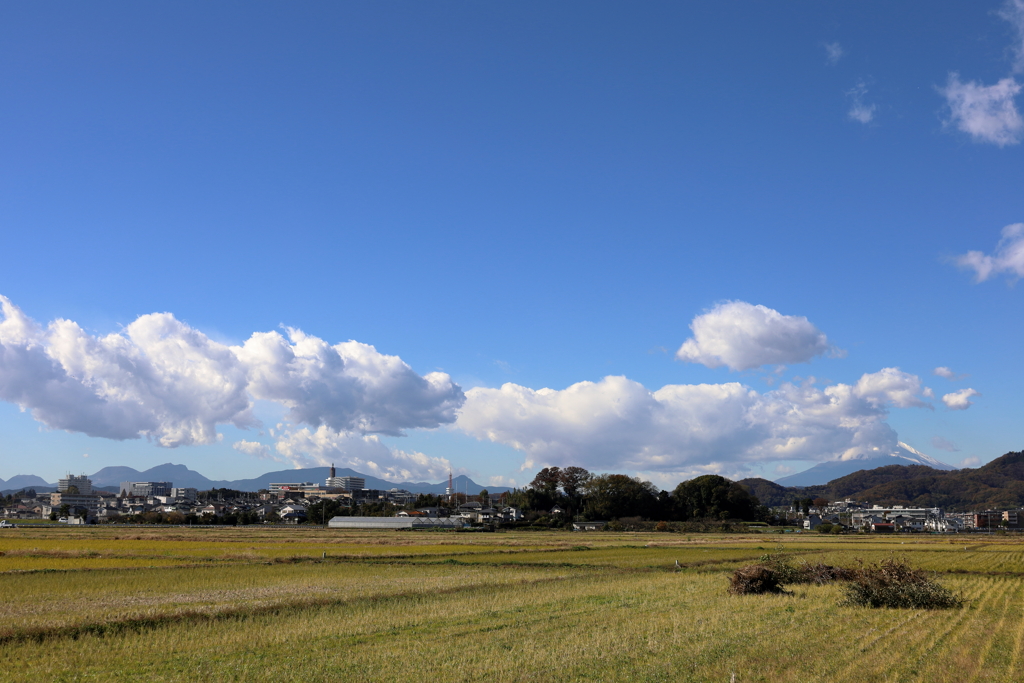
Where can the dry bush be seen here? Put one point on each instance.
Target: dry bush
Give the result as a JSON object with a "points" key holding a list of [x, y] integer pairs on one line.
{"points": [[894, 583], [821, 573], [776, 570], [755, 579]]}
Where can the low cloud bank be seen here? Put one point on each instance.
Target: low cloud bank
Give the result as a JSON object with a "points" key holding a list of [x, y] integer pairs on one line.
{"points": [[617, 423], [162, 379]]}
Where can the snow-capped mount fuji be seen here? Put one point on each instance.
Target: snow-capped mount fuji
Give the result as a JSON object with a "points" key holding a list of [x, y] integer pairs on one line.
{"points": [[824, 472], [918, 458]]}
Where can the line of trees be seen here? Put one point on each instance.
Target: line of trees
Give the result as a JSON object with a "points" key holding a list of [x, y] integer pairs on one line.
{"points": [[579, 493]]}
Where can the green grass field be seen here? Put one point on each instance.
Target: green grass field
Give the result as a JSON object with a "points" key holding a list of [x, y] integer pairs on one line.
{"points": [[249, 604]]}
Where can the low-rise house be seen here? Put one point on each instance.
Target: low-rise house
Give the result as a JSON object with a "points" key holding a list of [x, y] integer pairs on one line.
{"points": [[262, 511], [107, 514], [480, 515], [812, 522], [511, 514], [401, 496], [867, 520], [946, 525], [903, 523]]}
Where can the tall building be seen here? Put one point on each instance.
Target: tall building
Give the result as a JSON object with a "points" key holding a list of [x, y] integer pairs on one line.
{"points": [[82, 483], [347, 483], [80, 499], [187, 494], [144, 489]]}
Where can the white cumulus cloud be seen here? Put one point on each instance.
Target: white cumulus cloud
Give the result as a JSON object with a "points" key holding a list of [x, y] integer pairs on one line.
{"points": [[743, 336], [348, 386], [960, 400], [162, 379], [619, 424], [158, 378], [1007, 258], [987, 113], [892, 386], [364, 453]]}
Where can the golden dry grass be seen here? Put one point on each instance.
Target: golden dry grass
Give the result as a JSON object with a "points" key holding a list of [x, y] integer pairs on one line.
{"points": [[254, 604]]}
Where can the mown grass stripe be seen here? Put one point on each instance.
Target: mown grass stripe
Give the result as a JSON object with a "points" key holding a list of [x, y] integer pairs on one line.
{"points": [[140, 624]]}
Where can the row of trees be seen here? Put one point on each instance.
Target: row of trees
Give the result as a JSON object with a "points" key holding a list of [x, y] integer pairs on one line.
{"points": [[616, 496], [12, 498]]}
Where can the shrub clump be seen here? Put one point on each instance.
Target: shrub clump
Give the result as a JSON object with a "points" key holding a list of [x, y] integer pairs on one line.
{"points": [[894, 583], [821, 573], [805, 572], [891, 583], [755, 579]]}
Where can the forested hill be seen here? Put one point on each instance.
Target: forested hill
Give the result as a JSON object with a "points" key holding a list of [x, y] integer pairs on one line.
{"points": [[998, 484]]}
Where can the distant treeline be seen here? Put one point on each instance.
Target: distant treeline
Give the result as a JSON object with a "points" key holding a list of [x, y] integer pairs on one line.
{"points": [[996, 485], [565, 494]]}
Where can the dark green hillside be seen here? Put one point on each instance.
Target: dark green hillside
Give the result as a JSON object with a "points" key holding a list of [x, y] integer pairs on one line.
{"points": [[865, 480], [769, 493], [998, 484]]}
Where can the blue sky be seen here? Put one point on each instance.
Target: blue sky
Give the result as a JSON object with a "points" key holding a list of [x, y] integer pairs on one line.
{"points": [[532, 195]]}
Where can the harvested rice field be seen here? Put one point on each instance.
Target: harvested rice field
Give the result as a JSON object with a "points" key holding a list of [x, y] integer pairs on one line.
{"points": [[244, 604]]}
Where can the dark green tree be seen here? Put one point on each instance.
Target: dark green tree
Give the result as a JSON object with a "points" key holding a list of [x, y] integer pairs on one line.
{"points": [[322, 511], [712, 496], [612, 496], [572, 481], [545, 488], [428, 500]]}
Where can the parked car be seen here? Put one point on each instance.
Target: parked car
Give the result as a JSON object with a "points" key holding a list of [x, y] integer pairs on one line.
{"points": [[7, 525], [63, 520]]}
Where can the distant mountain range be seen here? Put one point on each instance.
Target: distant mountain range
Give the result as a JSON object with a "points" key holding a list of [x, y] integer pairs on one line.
{"points": [[995, 485], [824, 472], [110, 478], [24, 481]]}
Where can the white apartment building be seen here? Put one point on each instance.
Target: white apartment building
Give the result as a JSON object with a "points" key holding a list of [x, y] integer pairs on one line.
{"points": [[346, 483], [80, 482], [144, 489]]}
